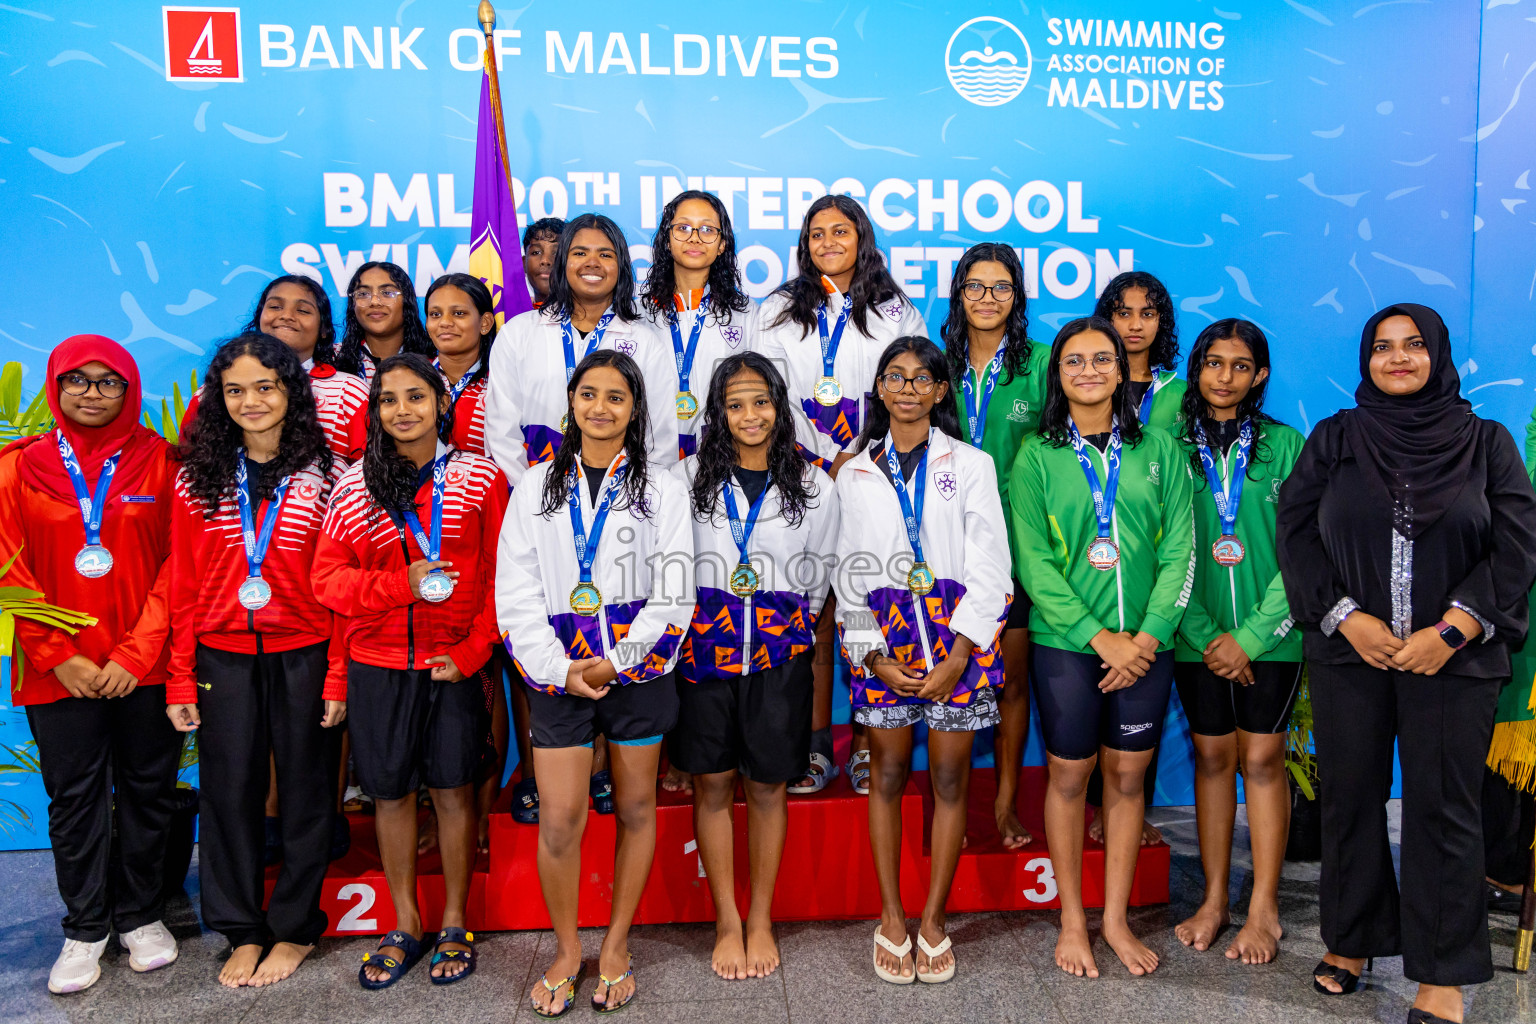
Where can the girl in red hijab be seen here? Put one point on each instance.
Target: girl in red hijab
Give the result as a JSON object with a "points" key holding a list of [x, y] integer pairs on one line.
{"points": [[85, 510]]}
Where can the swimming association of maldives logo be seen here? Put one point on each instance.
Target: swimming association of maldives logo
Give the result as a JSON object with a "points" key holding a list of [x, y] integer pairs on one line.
{"points": [[202, 44], [987, 61]]}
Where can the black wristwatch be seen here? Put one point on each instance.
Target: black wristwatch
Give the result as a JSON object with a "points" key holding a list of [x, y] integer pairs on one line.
{"points": [[1453, 637]]}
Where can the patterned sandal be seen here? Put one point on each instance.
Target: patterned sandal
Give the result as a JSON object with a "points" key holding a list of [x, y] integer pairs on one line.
{"points": [[444, 956], [395, 969], [858, 771], [574, 981], [601, 790], [818, 773], [600, 1005], [525, 802]]}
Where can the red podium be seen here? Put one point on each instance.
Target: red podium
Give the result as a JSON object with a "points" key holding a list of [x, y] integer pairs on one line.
{"points": [[827, 871]]}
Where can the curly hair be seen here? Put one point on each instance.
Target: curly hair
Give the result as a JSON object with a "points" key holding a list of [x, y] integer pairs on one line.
{"points": [[955, 330], [215, 441], [390, 476], [478, 294], [725, 294], [716, 455], [562, 302], [351, 357], [872, 283], [637, 476], [942, 415], [325, 347], [544, 227], [1054, 416], [1164, 352], [1194, 408]]}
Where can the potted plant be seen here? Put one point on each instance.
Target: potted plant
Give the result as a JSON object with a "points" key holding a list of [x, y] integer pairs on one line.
{"points": [[1306, 837]]}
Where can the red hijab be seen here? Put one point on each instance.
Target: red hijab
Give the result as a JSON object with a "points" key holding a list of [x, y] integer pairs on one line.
{"points": [[41, 465]]}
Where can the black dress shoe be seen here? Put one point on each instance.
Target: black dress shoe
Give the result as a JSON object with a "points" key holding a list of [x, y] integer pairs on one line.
{"points": [[1502, 901], [1417, 1016]]}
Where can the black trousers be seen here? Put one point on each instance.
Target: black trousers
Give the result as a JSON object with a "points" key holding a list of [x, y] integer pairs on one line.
{"points": [[1437, 920], [250, 704], [1509, 824], [108, 764]]}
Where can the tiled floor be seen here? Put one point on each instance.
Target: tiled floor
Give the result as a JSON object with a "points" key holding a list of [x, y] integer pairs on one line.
{"points": [[1006, 973]]}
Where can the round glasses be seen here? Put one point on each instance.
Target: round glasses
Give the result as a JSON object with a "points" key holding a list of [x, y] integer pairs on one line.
{"points": [[707, 232], [1074, 365], [367, 295], [78, 384], [894, 382], [974, 290]]}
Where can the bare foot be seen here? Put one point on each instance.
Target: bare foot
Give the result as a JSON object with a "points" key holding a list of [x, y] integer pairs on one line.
{"points": [[427, 838], [620, 992], [1096, 825], [282, 961], [1258, 941], [1201, 928], [896, 933], [450, 968], [483, 837], [939, 964], [240, 966], [1138, 959], [729, 959], [1150, 836], [762, 951], [677, 782], [1015, 835], [548, 1002], [393, 952], [1352, 966], [1074, 953]]}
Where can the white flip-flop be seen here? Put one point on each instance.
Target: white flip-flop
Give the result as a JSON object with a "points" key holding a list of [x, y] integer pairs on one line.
{"points": [[820, 771], [932, 953], [900, 953]]}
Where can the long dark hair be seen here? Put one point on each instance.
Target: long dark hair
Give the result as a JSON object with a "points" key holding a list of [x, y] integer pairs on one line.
{"points": [[480, 295], [390, 476], [725, 294], [561, 302], [955, 331], [1194, 407], [213, 445], [325, 347], [1053, 418], [716, 455], [351, 358], [943, 415], [637, 478], [1164, 351], [872, 283]]}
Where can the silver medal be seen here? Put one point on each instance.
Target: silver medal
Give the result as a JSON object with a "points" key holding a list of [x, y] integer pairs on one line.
{"points": [[93, 561]]}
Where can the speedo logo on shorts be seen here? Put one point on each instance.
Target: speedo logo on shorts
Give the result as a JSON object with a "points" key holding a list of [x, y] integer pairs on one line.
{"points": [[1131, 730]]}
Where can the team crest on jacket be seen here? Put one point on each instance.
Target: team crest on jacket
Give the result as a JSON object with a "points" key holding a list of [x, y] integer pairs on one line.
{"points": [[1154, 472], [893, 311], [456, 474], [732, 335], [625, 345], [947, 484], [304, 490], [1274, 491], [1020, 413]]}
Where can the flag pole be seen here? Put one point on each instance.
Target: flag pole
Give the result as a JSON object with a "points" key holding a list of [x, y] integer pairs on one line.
{"points": [[487, 16]]}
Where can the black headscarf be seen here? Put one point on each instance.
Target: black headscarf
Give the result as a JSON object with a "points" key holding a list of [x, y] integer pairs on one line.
{"points": [[1416, 449]]}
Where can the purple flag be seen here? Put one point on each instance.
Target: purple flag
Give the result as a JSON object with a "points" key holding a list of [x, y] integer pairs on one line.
{"points": [[496, 251]]}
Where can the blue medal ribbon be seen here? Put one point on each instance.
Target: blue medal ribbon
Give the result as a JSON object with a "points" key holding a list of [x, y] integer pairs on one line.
{"points": [[1103, 497], [911, 506], [455, 390], [568, 341], [431, 545], [92, 506], [256, 544], [587, 541], [1145, 412], [830, 341], [976, 413], [685, 354], [1227, 497], [742, 531]]}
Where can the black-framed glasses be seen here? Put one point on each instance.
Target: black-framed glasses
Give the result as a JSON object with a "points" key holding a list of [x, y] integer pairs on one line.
{"points": [[1103, 362], [894, 382], [366, 295], [974, 290], [77, 385], [707, 232]]}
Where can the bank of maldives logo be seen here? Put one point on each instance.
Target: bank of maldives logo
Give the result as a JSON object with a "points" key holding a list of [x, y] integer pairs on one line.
{"points": [[202, 44], [988, 61]]}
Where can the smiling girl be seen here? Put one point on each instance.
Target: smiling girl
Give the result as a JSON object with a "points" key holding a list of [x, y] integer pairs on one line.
{"points": [[382, 320]]}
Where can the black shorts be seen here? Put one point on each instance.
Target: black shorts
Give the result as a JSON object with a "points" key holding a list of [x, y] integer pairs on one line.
{"points": [[1018, 612], [758, 724], [1077, 718], [1216, 706], [632, 714], [408, 731]]}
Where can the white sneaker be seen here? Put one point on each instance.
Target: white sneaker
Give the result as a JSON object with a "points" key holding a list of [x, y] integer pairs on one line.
{"points": [[149, 947], [77, 968]]}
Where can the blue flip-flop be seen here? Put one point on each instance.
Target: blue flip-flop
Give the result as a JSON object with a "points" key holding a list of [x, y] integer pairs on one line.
{"points": [[395, 968], [601, 788], [443, 956], [525, 802]]}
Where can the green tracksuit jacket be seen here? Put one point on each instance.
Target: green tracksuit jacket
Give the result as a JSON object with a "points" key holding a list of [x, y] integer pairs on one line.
{"points": [[1012, 416], [1167, 400]]}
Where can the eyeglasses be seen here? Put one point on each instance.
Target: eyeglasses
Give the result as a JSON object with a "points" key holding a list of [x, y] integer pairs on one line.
{"points": [[1103, 362], [1147, 313], [922, 383], [367, 295], [78, 384], [707, 232], [974, 290]]}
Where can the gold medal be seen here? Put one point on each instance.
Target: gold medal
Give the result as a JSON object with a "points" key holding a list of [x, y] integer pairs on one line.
{"points": [[586, 599], [687, 405], [920, 578], [744, 580], [828, 391]]}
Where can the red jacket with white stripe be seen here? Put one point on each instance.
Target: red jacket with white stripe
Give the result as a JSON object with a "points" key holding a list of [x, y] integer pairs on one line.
{"points": [[341, 406], [362, 569], [208, 564], [469, 419]]}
